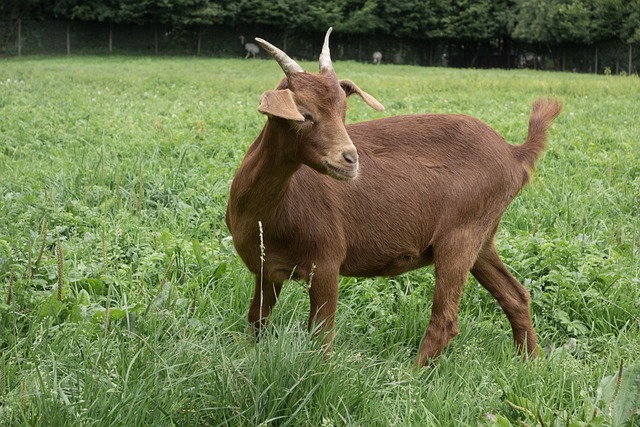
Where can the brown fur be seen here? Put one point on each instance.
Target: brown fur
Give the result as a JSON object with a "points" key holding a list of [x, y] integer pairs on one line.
{"points": [[431, 189]]}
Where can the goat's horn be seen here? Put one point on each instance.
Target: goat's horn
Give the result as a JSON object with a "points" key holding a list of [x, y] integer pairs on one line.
{"points": [[288, 65], [325, 55]]}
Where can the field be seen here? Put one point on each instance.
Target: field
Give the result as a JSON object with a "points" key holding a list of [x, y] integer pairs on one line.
{"points": [[122, 302]]}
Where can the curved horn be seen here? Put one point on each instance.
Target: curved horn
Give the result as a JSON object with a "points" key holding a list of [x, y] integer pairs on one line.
{"points": [[325, 55], [288, 65]]}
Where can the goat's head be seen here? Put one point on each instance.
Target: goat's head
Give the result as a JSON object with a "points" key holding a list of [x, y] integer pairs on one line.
{"points": [[312, 109]]}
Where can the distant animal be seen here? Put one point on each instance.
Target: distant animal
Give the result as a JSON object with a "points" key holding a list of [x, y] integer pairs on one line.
{"points": [[377, 57], [529, 60], [314, 199], [251, 48]]}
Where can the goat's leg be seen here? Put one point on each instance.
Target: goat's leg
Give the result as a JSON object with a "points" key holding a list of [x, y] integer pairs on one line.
{"points": [[453, 259], [323, 296], [443, 324], [264, 298], [511, 295]]}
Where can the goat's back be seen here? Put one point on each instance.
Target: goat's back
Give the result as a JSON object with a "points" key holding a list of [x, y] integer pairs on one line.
{"points": [[447, 162], [450, 141]]}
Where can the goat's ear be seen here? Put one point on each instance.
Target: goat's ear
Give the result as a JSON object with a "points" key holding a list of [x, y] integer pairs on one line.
{"points": [[280, 103], [350, 88]]}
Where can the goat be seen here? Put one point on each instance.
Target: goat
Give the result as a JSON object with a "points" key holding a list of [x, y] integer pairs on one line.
{"points": [[377, 57], [251, 48], [376, 198]]}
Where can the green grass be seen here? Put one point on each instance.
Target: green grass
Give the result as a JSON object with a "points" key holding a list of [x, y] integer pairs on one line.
{"points": [[127, 162]]}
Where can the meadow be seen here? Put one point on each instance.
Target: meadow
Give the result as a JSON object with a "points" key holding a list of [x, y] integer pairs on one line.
{"points": [[122, 302]]}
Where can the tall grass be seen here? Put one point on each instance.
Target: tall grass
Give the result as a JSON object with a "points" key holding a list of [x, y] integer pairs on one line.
{"points": [[114, 174]]}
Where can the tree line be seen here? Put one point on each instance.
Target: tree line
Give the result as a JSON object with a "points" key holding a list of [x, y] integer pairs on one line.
{"points": [[551, 23], [538, 21]]}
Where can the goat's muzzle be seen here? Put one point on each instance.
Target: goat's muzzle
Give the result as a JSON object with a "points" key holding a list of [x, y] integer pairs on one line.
{"points": [[344, 165]]}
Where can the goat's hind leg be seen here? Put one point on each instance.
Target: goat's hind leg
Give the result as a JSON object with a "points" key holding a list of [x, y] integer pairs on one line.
{"points": [[264, 298], [511, 295]]}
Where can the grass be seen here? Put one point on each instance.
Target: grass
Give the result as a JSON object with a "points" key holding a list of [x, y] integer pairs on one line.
{"points": [[122, 166]]}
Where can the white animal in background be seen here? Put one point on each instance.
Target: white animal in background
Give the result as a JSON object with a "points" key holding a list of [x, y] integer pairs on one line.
{"points": [[251, 48], [377, 57]]}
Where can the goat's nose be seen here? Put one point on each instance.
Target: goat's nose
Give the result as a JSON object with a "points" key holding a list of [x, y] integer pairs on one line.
{"points": [[350, 157]]}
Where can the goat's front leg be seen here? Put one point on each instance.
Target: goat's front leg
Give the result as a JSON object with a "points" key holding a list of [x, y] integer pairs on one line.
{"points": [[264, 298], [443, 325], [323, 296], [453, 260]]}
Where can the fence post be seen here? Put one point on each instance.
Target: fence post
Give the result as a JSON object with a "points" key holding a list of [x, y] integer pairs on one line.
{"points": [[68, 40], [199, 40], [19, 47], [630, 58]]}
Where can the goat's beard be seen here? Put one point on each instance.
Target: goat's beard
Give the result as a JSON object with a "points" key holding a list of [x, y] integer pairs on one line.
{"points": [[341, 174]]}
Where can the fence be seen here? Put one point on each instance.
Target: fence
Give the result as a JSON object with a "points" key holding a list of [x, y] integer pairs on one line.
{"points": [[71, 37]]}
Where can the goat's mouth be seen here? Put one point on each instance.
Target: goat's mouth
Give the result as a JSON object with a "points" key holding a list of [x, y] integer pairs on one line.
{"points": [[340, 172]]}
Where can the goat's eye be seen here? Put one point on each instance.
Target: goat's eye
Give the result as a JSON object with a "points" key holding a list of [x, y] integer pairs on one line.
{"points": [[307, 117]]}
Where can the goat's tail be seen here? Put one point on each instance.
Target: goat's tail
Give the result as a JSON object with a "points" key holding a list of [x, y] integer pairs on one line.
{"points": [[544, 111]]}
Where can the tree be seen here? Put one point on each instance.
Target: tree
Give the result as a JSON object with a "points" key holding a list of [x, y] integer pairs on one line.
{"points": [[155, 12], [476, 19], [25, 9], [17, 10], [553, 22], [203, 13], [89, 11], [630, 32], [607, 19], [359, 17], [414, 19], [290, 16], [476, 27]]}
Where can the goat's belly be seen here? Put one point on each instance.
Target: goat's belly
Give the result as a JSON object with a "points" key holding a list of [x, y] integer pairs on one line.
{"points": [[374, 265]]}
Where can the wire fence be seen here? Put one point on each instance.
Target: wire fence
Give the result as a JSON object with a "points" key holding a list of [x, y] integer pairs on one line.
{"points": [[20, 37]]}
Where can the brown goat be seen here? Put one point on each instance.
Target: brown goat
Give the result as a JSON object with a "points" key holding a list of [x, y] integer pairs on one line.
{"points": [[377, 198]]}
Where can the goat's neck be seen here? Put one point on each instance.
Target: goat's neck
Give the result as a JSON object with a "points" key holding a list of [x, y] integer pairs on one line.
{"points": [[264, 175]]}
